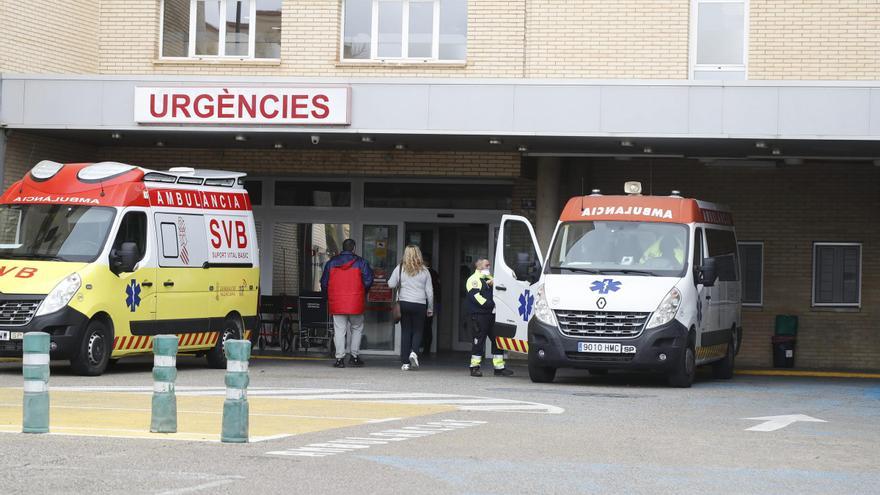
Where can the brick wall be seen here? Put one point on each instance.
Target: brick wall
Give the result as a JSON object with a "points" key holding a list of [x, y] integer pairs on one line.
{"points": [[599, 39], [23, 151], [50, 36], [814, 39], [788, 208]]}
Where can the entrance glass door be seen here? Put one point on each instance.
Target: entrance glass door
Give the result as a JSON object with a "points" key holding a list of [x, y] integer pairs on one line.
{"points": [[381, 248], [471, 245]]}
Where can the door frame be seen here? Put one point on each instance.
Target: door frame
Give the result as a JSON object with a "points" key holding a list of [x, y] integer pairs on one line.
{"points": [[400, 245]]}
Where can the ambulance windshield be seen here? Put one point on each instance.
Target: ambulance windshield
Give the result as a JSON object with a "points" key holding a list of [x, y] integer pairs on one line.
{"points": [[629, 248], [54, 232]]}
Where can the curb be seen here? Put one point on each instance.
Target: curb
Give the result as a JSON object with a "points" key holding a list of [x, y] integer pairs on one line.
{"points": [[810, 374]]}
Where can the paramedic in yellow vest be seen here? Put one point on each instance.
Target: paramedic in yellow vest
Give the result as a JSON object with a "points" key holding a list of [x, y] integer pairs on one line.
{"points": [[666, 248], [481, 318]]}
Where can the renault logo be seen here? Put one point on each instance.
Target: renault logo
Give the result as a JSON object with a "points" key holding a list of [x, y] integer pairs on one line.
{"points": [[600, 303]]}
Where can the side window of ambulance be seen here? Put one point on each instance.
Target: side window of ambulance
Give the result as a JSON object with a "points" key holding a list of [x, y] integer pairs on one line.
{"points": [[182, 240], [722, 247], [133, 228], [698, 252], [519, 251]]}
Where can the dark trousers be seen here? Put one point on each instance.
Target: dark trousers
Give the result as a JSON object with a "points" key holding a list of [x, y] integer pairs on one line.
{"points": [[428, 334], [412, 325], [481, 327]]}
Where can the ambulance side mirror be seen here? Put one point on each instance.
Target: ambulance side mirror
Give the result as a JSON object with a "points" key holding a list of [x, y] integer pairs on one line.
{"points": [[708, 273], [125, 258]]}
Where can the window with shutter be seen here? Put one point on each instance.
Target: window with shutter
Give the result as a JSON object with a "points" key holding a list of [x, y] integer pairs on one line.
{"points": [[837, 274], [751, 259]]}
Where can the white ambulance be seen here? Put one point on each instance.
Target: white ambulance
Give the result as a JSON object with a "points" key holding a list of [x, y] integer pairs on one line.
{"points": [[105, 256], [631, 282]]}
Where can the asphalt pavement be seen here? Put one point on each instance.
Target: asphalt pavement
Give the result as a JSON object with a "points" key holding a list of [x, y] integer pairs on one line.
{"points": [[316, 429]]}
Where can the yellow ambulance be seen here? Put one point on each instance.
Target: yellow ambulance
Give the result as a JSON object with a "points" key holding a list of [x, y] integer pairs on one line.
{"points": [[105, 256]]}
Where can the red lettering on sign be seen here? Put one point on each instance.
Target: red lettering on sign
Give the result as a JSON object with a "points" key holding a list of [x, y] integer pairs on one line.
{"points": [[180, 102], [204, 111], [320, 102], [26, 273], [4, 270], [246, 106], [153, 110], [227, 231], [296, 105], [213, 225], [273, 113], [241, 233]]}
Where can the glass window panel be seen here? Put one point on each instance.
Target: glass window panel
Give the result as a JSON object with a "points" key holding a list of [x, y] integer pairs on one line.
{"points": [[255, 191], [267, 39], [238, 26], [207, 27], [751, 265], [837, 274], [519, 251], [175, 29], [720, 36], [390, 28], [421, 29], [453, 29], [300, 251], [438, 196], [306, 193], [720, 75], [380, 251], [358, 28]]}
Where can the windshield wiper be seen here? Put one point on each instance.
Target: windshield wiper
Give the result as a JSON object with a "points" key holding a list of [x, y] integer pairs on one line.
{"points": [[32, 256], [594, 271], [627, 271]]}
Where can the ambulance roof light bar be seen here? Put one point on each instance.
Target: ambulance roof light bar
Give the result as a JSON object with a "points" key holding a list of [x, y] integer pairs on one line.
{"points": [[633, 188], [45, 170], [196, 177], [102, 171]]}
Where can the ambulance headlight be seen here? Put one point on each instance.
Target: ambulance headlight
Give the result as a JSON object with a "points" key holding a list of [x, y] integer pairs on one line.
{"points": [[667, 310], [60, 295], [542, 309]]}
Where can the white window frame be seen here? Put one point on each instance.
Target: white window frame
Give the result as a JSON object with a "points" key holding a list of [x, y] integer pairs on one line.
{"points": [[404, 52], [815, 304], [252, 35], [752, 243], [693, 67]]}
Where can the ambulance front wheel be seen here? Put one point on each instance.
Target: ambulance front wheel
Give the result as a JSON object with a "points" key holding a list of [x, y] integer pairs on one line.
{"points": [[231, 330], [93, 355], [538, 373]]}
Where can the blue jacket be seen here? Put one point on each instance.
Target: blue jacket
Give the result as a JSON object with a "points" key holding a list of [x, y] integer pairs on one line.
{"points": [[343, 258]]}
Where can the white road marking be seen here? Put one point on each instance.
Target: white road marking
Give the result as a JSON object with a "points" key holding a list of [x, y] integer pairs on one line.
{"points": [[197, 488], [351, 444], [462, 402], [773, 423]]}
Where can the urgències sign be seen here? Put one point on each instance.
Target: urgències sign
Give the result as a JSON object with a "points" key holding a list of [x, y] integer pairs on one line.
{"points": [[243, 105]]}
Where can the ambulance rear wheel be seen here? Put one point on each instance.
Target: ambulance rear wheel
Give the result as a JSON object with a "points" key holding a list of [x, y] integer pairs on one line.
{"points": [[723, 370], [231, 330], [94, 352]]}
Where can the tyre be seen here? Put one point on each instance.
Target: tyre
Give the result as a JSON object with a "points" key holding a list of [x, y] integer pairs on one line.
{"points": [[94, 352], [231, 330], [723, 370], [598, 371], [286, 335], [683, 375], [538, 373]]}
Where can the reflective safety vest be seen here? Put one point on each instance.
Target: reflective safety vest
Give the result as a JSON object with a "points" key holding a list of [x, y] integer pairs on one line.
{"points": [[479, 294], [654, 251]]}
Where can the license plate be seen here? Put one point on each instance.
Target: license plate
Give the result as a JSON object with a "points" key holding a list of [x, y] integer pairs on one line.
{"points": [[16, 335], [4, 335], [600, 347]]}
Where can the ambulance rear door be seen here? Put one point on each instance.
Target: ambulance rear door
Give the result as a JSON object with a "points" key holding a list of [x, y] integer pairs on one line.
{"points": [[517, 270]]}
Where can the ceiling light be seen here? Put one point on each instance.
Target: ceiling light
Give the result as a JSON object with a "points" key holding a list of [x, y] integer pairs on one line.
{"points": [[626, 144], [399, 147], [494, 141], [760, 145], [116, 135], [776, 151], [240, 137], [522, 148], [648, 149], [160, 143], [366, 139], [278, 146]]}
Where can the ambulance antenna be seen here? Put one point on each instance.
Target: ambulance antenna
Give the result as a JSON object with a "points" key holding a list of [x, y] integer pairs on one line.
{"points": [[102, 188], [582, 193]]}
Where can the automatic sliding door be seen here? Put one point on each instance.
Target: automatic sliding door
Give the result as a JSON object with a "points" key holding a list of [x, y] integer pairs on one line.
{"points": [[381, 248]]}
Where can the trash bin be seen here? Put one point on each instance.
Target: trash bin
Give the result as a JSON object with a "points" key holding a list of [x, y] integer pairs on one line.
{"points": [[783, 351], [786, 325]]}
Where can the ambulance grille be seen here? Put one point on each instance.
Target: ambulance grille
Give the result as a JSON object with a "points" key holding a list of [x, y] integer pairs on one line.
{"points": [[17, 312], [620, 324]]}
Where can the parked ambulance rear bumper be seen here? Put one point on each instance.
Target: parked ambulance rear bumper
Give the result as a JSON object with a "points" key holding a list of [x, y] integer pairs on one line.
{"points": [[65, 326], [561, 351]]}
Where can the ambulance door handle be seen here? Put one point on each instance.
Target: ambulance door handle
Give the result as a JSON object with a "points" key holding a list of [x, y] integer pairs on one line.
{"points": [[500, 287], [147, 283], [169, 283]]}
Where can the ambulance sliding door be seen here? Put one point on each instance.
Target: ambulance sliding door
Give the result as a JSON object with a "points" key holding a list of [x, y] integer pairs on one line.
{"points": [[183, 283]]}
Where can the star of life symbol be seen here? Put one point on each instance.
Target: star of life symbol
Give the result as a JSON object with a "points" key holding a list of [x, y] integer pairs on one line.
{"points": [[605, 286], [526, 301], [133, 295]]}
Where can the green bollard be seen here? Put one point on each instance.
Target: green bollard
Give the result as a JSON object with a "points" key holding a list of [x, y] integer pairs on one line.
{"points": [[35, 368], [164, 411], [235, 407]]}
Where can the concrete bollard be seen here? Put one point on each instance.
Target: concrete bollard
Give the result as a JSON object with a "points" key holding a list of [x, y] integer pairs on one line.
{"points": [[164, 411], [35, 368], [235, 407]]}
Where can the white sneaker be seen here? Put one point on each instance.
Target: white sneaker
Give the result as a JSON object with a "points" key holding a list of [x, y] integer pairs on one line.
{"points": [[414, 360], [405, 367]]}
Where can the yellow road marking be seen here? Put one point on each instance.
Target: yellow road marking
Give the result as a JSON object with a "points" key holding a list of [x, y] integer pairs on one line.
{"points": [[127, 415], [813, 374]]}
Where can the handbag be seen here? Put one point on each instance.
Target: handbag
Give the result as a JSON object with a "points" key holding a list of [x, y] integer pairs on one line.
{"points": [[395, 308]]}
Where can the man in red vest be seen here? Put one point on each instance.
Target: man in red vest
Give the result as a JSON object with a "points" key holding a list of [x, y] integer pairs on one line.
{"points": [[346, 279]]}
